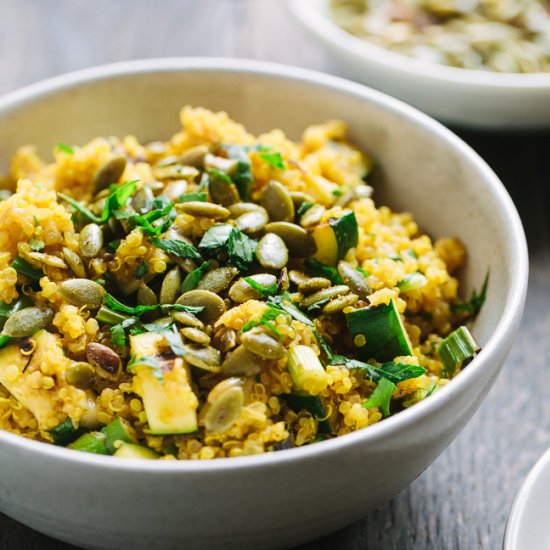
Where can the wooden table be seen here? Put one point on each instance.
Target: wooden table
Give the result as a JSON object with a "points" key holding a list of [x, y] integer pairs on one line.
{"points": [[462, 500]]}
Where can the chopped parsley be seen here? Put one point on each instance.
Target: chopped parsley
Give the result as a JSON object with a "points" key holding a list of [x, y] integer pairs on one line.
{"points": [[192, 279], [147, 361], [476, 301], [275, 160], [381, 396], [223, 237], [119, 307], [188, 197], [179, 249], [318, 269], [65, 148], [265, 291], [24, 268]]}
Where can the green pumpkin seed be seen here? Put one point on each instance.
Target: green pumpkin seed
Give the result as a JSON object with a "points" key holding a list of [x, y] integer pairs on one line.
{"points": [[252, 222], [299, 242], [194, 156], [313, 215], [260, 343], [354, 279], [298, 198], [203, 209], [81, 375], [278, 202], [224, 339], [340, 303], [205, 358], [222, 192], [82, 292], [128, 287], [218, 279], [47, 259], [90, 240], [241, 362], [272, 252], [241, 291], [154, 185], [226, 166], [224, 410], [314, 284], [325, 294], [170, 287], [297, 277], [27, 321], [214, 306], [146, 296], [142, 201], [175, 172], [103, 357], [174, 189], [74, 262], [109, 172], [241, 208], [187, 319], [195, 335]]}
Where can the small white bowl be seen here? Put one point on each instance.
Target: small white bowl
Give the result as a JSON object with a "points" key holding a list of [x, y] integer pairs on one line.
{"points": [[288, 497], [528, 526], [478, 99]]}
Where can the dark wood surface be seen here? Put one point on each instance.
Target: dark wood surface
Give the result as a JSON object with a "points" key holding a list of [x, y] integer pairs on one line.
{"points": [[463, 499]]}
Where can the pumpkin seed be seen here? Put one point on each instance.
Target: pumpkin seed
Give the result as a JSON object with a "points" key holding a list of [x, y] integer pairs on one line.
{"points": [[226, 166], [205, 358], [74, 262], [174, 189], [82, 292], [252, 222], [354, 279], [278, 202], [240, 208], [187, 319], [213, 305], [260, 343], [103, 357], [47, 259], [340, 303], [90, 240], [272, 252], [203, 209], [224, 339], [313, 215], [80, 374], [195, 335], [175, 172], [109, 172], [128, 287], [241, 291], [225, 408], [325, 294], [146, 296], [298, 198], [142, 201], [194, 156], [218, 279], [314, 284], [297, 277], [222, 192], [27, 321], [154, 185], [241, 361], [299, 242], [284, 281], [170, 287]]}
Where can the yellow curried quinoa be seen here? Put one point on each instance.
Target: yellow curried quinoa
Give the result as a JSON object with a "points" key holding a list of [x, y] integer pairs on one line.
{"points": [[216, 295]]}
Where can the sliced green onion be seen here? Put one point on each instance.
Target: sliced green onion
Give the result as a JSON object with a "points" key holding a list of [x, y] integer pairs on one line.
{"points": [[109, 317], [65, 433], [412, 281], [306, 370], [456, 348], [93, 442]]}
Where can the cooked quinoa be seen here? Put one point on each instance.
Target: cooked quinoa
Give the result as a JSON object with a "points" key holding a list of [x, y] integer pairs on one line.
{"points": [[218, 294]]}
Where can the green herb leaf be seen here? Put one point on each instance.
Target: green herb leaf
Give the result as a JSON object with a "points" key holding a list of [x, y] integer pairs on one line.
{"points": [[412, 281], [473, 306], [109, 317], [24, 268], [179, 249], [220, 175], [363, 272], [275, 160], [192, 279], [188, 197], [170, 333], [7, 310], [36, 245], [115, 305], [65, 148], [316, 306], [148, 361], [141, 270], [284, 303], [265, 291], [304, 207], [270, 314], [320, 270], [145, 221], [381, 396], [243, 178], [240, 249], [337, 192], [216, 237]]}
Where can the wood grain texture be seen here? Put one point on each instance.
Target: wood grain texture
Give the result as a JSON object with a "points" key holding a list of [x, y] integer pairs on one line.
{"points": [[462, 500]]}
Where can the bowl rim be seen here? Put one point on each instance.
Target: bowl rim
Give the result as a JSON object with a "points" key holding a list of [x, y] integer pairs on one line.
{"points": [[310, 14], [505, 328]]}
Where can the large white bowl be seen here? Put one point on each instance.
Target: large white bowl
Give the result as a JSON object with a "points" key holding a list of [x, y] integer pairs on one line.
{"points": [[287, 497], [463, 97]]}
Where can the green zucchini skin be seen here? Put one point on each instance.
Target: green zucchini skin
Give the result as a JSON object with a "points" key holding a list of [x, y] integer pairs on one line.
{"points": [[93, 442], [118, 430], [384, 332], [346, 232]]}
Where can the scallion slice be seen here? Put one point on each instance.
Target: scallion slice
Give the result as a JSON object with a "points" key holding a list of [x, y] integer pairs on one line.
{"points": [[412, 281], [456, 348]]}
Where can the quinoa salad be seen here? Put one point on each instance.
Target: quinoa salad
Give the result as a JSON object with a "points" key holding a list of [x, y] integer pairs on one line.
{"points": [[218, 294], [505, 36]]}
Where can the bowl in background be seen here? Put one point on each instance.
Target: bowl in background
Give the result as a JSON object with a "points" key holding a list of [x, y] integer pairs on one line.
{"points": [[288, 497], [462, 97]]}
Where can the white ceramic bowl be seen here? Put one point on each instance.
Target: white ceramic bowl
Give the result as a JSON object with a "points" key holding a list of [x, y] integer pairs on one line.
{"points": [[463, 97], [287, 497]]}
